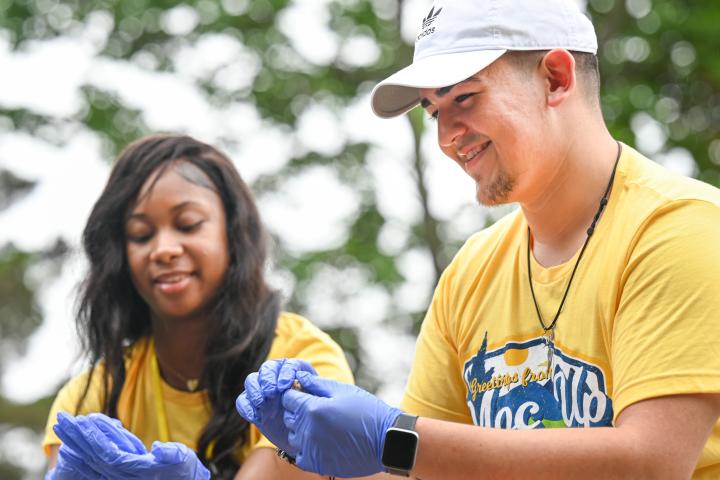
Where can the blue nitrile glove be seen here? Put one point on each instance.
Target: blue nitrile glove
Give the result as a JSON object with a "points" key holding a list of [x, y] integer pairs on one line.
{"points": [[260, 402], [95, 444], [175, 460], [337, 429], [114, 430], [104, 446], [69, 466]]}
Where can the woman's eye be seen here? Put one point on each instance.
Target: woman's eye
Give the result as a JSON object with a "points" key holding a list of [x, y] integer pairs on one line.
{"points": [[189, 227], [138, 238]]}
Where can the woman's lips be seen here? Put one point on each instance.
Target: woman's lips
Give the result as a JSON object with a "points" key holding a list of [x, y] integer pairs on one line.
{"points": [[173, 283]]}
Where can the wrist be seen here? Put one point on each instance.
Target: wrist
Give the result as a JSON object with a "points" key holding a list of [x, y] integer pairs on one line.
{"points": [[388, 422]]}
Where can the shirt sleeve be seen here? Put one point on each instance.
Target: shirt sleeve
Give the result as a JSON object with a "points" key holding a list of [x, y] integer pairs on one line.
{"points": [[666, 334], [435, 387], [316, 347], [67, 401]]}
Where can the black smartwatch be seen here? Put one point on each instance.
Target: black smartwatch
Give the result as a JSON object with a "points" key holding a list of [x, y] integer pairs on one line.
{"points": [[400, 448]]}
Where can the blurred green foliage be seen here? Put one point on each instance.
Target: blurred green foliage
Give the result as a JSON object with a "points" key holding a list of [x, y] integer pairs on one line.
{"points": [[660, 58], [32, 415], [21, 315], [659, 64]]}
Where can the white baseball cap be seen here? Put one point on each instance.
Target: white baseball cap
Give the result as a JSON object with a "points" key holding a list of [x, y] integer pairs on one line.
{"points": [[458, 38]]}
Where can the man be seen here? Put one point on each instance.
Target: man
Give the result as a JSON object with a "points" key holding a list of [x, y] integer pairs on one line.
{"points": [[594, 304]]}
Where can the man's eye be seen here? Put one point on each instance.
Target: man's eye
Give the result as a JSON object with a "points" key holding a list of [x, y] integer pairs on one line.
{"points": [[463, 97]]}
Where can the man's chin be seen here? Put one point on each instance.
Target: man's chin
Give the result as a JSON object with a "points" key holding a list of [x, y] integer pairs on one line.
{"points": [[485, 202], [498, 193]]}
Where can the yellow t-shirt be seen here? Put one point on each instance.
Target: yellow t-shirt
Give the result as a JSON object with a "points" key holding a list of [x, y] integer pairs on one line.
{"points": [[640, 321], [187, 412]]}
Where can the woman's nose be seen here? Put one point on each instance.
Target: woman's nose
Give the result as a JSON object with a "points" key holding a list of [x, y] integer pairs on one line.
{"points": [[167, 247]]}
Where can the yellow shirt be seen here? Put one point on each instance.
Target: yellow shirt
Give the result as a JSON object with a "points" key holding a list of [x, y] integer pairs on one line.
{"points": [[189, 412], [640, 321]]}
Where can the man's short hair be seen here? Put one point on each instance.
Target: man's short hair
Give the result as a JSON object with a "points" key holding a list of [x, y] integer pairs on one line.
{"points": [[586, 67]]}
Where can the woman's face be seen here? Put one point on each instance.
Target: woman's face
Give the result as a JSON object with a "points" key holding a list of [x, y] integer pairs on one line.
{"points": [[176, 243]]}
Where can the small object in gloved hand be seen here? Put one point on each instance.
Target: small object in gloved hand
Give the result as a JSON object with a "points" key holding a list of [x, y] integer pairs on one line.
{"points": [[280, 452]]}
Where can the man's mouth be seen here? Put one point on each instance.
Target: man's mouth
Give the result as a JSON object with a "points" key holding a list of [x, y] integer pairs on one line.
{"points": [[471, 158], [475, 151]]}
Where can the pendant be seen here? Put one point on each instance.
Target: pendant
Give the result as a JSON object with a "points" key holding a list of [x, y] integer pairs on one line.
{"points": [[549, 338], [192, 384]]}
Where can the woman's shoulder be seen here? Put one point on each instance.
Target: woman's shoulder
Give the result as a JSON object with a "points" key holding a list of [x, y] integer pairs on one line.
{"points": [[291, 322], [293, 326], [93, 379], [85, 392], [297, 337]]}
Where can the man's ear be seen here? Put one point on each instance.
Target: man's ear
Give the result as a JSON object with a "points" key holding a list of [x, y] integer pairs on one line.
{"points": [[558, 68]]}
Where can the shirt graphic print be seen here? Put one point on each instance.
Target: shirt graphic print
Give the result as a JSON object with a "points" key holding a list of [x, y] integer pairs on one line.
{"points": [[511, 387]]}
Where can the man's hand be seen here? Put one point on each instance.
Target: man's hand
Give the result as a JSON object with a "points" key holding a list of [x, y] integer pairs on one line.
{"points": [[335, 428], [260, 402]]}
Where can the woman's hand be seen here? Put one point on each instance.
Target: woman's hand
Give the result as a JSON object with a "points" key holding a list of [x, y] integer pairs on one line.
{"points": [[97, 446]]}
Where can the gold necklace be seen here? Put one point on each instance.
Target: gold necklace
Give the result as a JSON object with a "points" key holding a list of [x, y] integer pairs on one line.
{"points": [[190, 383], [163, 425]]}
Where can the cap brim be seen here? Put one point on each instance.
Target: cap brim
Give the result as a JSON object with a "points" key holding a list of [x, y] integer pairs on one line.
{"points": [[398, 93]]}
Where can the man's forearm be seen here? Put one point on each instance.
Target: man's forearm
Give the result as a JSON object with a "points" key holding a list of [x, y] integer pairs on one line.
{"points": [[450, 451], [655, 439]]}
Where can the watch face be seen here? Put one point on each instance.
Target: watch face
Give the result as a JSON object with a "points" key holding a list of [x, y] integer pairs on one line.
{"points": [[400, 447]]}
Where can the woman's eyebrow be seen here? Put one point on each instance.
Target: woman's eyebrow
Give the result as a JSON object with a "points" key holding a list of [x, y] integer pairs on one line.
{"points": [[187, 203], [179, 206]]}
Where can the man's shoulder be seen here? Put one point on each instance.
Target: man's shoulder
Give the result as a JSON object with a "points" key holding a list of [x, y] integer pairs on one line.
{"points": [[654, 186], [656, 205]]}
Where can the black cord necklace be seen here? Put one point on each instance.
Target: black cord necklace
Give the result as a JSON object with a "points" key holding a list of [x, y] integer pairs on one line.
{"points": [[549, 330]]}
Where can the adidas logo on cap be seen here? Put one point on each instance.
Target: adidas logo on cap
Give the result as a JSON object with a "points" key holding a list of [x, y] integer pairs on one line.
{"points": [[426, 28]]}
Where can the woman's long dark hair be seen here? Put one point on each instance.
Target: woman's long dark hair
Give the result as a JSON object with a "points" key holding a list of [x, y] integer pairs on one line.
{"points": [[112, 316]]}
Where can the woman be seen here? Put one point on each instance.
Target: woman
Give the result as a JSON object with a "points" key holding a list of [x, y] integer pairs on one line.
{"points": [[175, 311]]}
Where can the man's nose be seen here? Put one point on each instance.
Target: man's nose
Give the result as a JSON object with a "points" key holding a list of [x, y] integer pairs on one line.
{"points": [[450, 130]]}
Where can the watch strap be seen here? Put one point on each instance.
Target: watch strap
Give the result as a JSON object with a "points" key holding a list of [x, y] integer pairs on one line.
{"points": [[405, 421], [400, 473]]}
